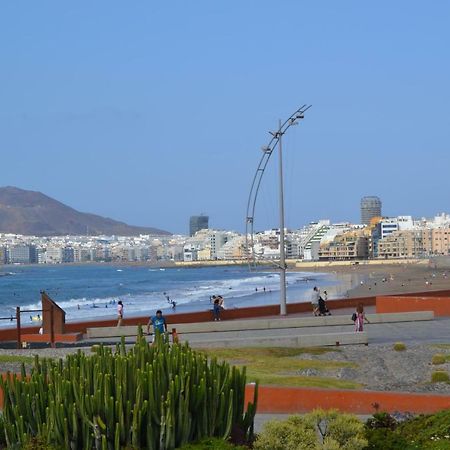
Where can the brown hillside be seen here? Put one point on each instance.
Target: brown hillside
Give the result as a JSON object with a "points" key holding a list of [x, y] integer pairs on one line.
{"points": [[33, 213]]}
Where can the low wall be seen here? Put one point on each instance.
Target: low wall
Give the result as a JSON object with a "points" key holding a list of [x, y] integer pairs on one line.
{"points": [[287, 400], [291, 341], [396, 304]]}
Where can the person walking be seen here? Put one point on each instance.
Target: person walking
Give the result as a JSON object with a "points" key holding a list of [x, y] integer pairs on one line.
{"points": [[216, 309], [119, 313], [158, 323], [323, 309], [359, 318], [315, 300]]}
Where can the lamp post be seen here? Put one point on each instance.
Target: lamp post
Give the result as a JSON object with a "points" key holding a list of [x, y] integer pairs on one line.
{"points": [[251, 204], [283, 311]]}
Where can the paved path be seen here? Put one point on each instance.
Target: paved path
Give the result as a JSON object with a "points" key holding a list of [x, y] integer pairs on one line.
{"points": [[420, 332]]}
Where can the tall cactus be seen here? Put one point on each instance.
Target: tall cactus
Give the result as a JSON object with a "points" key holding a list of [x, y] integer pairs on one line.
{"points": [[157, 397]]}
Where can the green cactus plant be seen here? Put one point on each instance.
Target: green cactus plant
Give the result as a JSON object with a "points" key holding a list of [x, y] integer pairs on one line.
{"points": [[158, 397]]}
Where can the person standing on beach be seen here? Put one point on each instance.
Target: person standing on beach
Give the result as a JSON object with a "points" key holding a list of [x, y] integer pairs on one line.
{"points": [[359, 318], [119, 313], [315, 300], [159, 324]]}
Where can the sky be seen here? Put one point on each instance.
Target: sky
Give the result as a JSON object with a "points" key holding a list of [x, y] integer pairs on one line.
{"points": [[150, 112]]}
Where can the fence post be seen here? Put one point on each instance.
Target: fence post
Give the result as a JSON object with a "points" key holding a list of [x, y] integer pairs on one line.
{"points": [[19, 333], [174, 336], [52, 331]]}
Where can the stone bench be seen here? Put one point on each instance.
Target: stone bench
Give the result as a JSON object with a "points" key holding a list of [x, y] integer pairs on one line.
{"points": [[263, 324], [296, 341]]}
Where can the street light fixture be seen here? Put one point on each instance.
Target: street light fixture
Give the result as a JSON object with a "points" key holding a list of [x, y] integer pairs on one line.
{"points": [[251, 204]]}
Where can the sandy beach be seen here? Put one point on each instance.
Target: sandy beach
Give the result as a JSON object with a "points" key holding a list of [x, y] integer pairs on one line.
{"points": [[384, 278]]}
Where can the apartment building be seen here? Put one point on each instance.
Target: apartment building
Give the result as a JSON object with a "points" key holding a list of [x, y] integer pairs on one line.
{"points": [[3, 255], [22, 254], [402, 244], [347, 246], [436, 241]]}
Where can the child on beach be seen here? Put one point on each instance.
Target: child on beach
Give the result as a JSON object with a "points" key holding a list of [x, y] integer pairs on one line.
{"points": [[359, 317]]}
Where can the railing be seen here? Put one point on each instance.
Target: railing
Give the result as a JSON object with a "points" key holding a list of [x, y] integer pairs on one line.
{"points": [[19, 329]]}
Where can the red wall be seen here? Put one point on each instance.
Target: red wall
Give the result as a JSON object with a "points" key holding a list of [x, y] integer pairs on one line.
{"points": [[390, 304], [287, 400]]}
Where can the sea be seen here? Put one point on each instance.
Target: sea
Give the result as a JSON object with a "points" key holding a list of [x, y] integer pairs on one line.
{"points": [[89, 292]]}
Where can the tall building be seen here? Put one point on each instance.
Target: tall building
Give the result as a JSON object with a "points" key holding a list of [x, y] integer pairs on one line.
{"points": [[22, 254], [197, 223], [370, 208]]}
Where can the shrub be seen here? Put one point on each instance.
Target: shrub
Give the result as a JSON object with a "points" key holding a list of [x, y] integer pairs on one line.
{"points": [[157, 396], [438, 359], [399, 347], [212, 444], [320, 429], [381, 420], [427, 431], [385, 439], [440, 376]]}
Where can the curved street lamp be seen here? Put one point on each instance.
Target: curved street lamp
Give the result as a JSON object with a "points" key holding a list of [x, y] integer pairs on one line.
{"points": [[251, 203]]}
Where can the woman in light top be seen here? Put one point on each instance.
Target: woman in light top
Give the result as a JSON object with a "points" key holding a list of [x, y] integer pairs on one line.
{"points": [[119, 313]]}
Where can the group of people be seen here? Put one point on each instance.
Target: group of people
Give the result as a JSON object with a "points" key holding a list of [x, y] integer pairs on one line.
{"points": [[319, 304], [218, 306], [320, 308]]}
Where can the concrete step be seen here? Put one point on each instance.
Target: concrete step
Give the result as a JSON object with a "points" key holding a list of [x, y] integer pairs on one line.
{"points": [[263, 324], [315, 340]]}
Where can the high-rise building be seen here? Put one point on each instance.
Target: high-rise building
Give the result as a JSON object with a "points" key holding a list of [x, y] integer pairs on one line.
{"points": [[370, 208], [197, 223], [22, 254]]}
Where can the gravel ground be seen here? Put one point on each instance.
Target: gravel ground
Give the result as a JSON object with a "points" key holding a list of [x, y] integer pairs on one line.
{"points": [[381, 368]]}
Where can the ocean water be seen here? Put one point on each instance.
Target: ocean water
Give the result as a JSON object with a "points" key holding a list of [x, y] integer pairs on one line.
{"points": [[89, 292]]}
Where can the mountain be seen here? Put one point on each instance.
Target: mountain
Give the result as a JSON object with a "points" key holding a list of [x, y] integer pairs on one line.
{"points": [[33, 213]]}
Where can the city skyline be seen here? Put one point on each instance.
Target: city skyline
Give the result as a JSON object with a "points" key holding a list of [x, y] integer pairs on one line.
{"points": [[160, 111]]}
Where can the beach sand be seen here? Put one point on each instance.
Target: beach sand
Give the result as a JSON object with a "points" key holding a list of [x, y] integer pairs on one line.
{"points": [[364, 280]]}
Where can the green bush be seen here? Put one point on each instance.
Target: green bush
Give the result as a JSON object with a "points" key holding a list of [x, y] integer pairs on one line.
{"points": [[425, 432], [439, 376], [212, 444], [154, 396], [438, 359], [399, 347], [327, 430]]}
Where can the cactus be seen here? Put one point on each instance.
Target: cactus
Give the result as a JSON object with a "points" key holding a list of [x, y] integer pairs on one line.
{"points": [[158, 397]]}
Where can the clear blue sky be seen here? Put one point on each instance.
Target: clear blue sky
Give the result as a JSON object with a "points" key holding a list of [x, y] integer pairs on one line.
{"points": [[150, 112]]}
